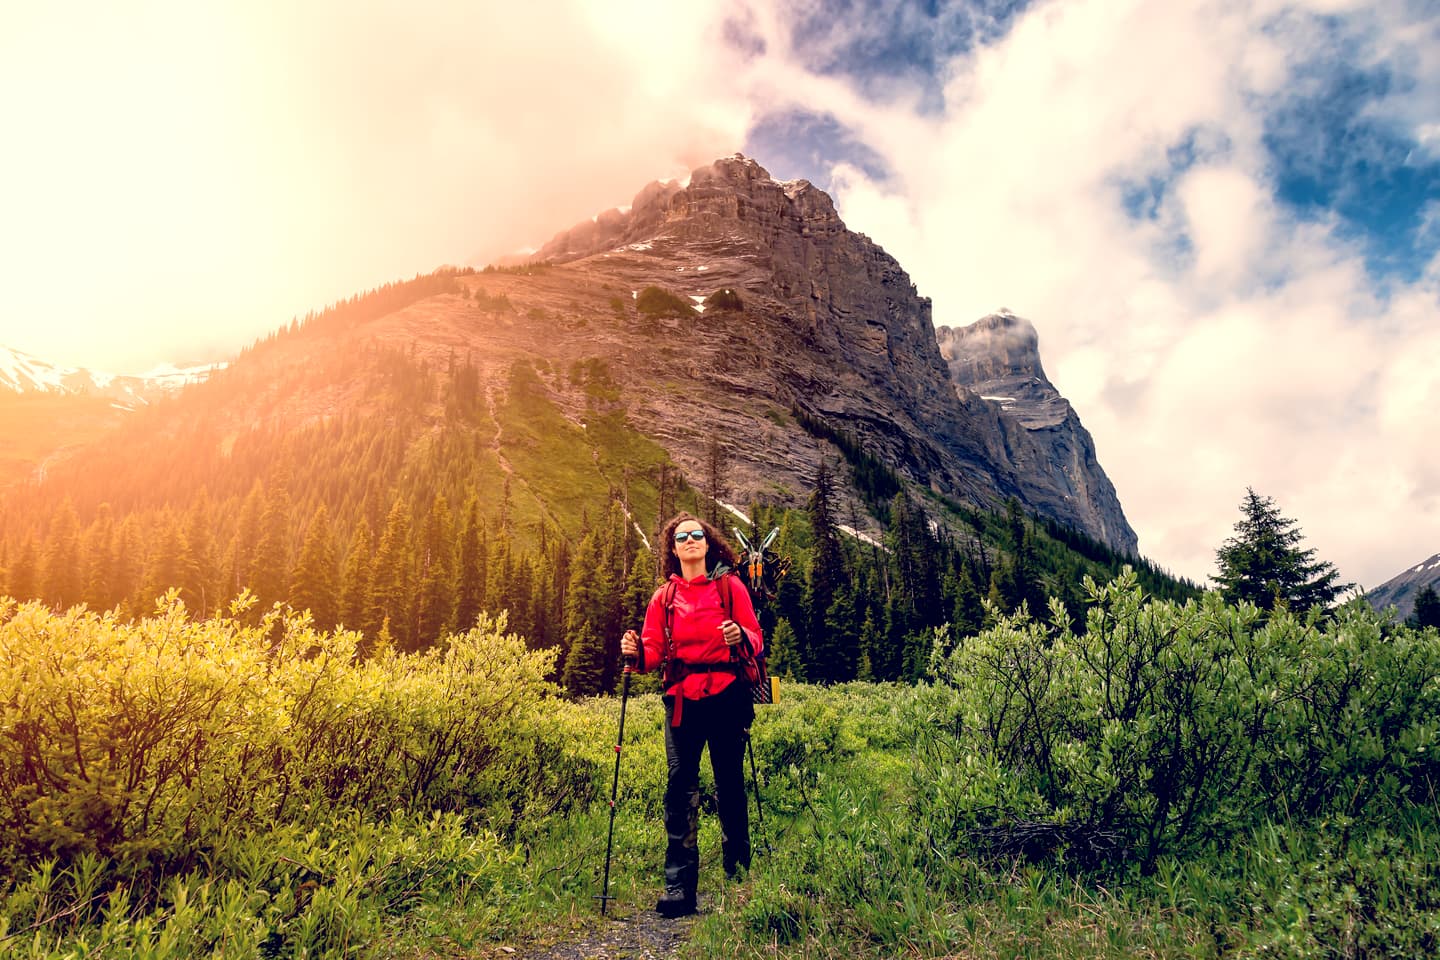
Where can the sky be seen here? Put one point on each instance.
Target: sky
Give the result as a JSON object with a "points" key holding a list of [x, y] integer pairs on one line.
{"points": [[1222, 217]]}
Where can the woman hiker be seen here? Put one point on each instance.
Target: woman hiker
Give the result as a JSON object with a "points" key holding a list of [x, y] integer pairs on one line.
{"points": [[697, 629]]}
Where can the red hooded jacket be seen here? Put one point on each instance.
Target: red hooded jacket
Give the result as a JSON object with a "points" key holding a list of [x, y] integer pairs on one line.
{"points": [[697, 612]]}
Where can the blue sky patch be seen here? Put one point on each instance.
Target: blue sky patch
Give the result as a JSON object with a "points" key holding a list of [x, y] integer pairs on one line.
{"points": [[1333, 157], [796, 144]]}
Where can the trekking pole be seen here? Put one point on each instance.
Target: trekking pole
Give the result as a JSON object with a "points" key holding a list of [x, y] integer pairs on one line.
{"points": [[604, 896], [755, 788]]}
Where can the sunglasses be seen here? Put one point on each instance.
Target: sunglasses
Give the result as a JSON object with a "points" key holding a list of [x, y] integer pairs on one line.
{"points": [[682, 535]]}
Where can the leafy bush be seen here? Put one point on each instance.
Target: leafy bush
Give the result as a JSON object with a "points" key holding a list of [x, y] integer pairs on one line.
{"points": [[148, 743], [1163, 727]]}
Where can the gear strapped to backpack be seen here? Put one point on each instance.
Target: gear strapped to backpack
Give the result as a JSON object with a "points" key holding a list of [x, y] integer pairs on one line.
{"points": [[743, 661]]}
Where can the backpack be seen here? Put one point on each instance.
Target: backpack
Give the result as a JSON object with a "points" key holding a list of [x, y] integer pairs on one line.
{"points": [[763, 687]]}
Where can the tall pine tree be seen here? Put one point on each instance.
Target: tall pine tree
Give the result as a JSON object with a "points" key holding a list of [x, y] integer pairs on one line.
{"points": [[391, 580], [1263, 563], [823, 651], [355, 581], [436, 562], [470, 578], [314, 580]]}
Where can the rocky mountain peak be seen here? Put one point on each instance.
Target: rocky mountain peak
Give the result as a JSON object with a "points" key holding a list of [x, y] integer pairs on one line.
{"points": [[995, 347], [995, 361], [732, 199], [835, 327]]}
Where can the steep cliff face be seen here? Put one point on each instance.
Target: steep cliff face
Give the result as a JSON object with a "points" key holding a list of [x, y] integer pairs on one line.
{"points": [[834, 326], [996, 362]]}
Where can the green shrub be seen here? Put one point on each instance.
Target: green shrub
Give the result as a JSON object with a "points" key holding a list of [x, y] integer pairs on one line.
{"points": [[654, 302], [1164, 728], [726, 299]]}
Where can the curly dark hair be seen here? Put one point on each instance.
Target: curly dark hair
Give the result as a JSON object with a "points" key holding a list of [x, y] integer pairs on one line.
{"points": [[717, 548]]}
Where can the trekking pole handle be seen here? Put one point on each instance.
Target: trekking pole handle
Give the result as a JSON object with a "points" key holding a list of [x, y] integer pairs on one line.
{"points": [[630, 637]]}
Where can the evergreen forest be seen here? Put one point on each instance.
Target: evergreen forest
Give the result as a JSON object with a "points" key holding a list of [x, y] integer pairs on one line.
{"points": [[431, 498]]}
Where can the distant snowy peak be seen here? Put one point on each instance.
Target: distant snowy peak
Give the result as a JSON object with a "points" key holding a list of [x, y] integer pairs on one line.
{"points": [[21, 373]]}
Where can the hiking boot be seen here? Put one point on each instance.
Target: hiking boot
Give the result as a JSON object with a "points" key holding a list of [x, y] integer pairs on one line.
{"points": [[735, 872], [677, 902]]}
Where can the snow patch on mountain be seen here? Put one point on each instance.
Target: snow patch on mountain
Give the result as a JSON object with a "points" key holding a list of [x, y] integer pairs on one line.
{"points": [[21, 373]]}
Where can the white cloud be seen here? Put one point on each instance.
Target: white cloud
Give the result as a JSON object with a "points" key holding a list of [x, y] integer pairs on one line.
{"points": [[181, 177], [1212, 344]]}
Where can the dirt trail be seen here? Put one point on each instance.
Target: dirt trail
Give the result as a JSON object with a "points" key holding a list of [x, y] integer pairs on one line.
{"points": [[640, 934]]}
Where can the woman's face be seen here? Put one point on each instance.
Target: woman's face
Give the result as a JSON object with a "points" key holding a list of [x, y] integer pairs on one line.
{"points": [[690, 541]]}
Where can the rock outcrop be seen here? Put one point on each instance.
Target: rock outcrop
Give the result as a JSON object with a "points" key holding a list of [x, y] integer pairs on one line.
{"points": [[996, 360]]}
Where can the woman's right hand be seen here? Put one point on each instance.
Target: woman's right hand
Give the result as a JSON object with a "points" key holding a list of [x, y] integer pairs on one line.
{"points": [[630, 645]]}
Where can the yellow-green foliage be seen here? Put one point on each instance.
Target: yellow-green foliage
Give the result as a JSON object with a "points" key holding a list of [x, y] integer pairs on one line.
{"points": [[148, 742]]}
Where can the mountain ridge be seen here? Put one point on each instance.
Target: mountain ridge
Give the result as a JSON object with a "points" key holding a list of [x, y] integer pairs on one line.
{"points": [[1400, 590], [825, 337], [21, 373]]}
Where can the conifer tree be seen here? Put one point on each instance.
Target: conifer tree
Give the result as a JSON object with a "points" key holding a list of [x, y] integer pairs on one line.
{"points": [[517, 598], [717, 478], [61, 585], [1427, 608], [619, 552], [501, 570], [640, 586], [435, 559], [665, 493], [314, 579], [162, 561], [967, 613], [269, 570], [391, 579], [1015, 581], [240, 555], [842, 630], [554, 582], [470, 579], [585, 601], [129, 566], [827, 576], [96, 553], [21, 580], [1263, 563], [355, 581], [202, 586]]}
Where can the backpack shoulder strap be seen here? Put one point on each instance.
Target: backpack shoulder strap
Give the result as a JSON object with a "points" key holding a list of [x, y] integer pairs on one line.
{"points": [[669, 619], [727, 597]]}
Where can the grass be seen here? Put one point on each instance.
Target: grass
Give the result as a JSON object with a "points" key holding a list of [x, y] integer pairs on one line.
{"points": [[569, 467]]}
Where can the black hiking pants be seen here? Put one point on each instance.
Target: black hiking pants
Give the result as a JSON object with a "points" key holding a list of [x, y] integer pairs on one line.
{"points": [[721, 721]]}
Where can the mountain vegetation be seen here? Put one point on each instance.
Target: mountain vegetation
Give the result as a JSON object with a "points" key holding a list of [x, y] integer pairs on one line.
{"points": [[417, 496], [1170, 779]]}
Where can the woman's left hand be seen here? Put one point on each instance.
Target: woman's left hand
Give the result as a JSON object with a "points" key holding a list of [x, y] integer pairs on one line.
{"points": [[731, 630]]}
